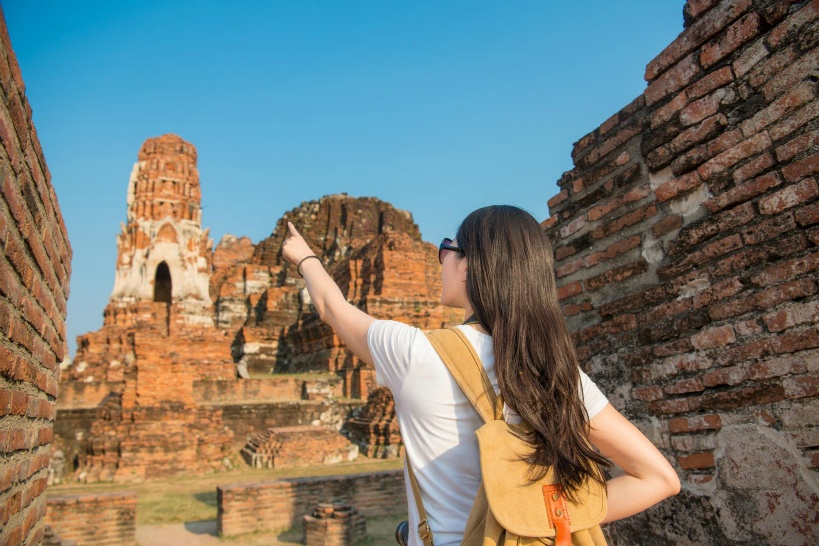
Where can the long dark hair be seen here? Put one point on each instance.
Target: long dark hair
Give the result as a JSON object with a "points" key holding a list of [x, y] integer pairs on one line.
{"points": [[510, 283]]}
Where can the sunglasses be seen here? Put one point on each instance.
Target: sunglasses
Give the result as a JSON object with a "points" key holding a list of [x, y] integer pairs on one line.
{"points": [[446, 246]]}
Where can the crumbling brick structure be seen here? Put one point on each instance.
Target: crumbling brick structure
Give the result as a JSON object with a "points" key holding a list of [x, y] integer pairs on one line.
{"points": [[334, 524], [686, 243], [155, 391], [103, 519], [35, 264], [265, 507]]}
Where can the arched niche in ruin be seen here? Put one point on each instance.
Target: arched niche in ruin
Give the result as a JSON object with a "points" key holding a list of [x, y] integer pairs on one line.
{"points": [[162, 283], [167, 234]]}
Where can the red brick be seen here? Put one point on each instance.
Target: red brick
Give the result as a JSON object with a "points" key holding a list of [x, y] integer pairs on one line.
{"points": [[748, 328], [787, 270], [667, 225], [808, 215], [702, 153], [737, 34], [695, 424], [801, 386], [696, 461], [706, 107], [769, 229], [573, 227], [618, 324], [715, 337], [789, 196], [695, 35], [793, 315], [743, 397], [19, 403], [769, 68], [772, 346], [743, 192], [615, 275], [750, 57], [647, 394], [703, 255], [796, 145], [764, 299], [613, 142], [777, 367], [676, 186], [569, 290], [714, 80], [672, 348], [730, 157], [557, 199], [801, 168], [568, 268], [600, 210], [790, 101], [677, 405], [669, 110], [792, 24], [795, 121], [564, 251], [725, 376], [685, 386], [708, 129], [624, 221], [753, 168], [614, 250], [666, 309], [674, 79]]}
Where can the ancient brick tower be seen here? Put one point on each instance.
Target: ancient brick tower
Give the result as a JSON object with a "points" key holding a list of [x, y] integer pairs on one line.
{"points": [[158, 337], [163, 253]]}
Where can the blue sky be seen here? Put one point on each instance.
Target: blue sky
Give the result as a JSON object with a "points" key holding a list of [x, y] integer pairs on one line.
{"points": [[438, 107]]}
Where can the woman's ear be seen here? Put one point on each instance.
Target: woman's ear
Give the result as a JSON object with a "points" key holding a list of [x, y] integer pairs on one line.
{"points": [[462, 265]]}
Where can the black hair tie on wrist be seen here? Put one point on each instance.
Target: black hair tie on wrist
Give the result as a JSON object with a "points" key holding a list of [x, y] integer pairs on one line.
{"points": [[298, 265]]}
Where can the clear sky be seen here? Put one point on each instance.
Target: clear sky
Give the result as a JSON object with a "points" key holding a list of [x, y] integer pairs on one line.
{"points": [[438, 107]]}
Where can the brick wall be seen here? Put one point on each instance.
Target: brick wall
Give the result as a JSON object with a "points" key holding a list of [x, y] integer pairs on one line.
{"points": [[35, 266], [269, 389], [99, 520], [282, 504], [686, 244]]}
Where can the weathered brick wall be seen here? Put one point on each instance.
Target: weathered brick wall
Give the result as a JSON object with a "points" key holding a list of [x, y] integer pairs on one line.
{"points": [[75, 395], [244, 419], [686, 244], [35, 264], [282, 504], [267, 390], [94, 520]]}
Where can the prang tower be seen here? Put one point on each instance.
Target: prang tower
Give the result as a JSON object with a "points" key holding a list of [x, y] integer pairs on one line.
{"points": [[164, 255]]}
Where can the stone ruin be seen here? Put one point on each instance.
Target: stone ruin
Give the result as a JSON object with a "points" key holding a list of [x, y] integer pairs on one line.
{"points": [[157, 390]]}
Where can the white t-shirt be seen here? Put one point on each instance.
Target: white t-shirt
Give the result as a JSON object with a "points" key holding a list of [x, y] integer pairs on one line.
{"points": [[438, 423]]}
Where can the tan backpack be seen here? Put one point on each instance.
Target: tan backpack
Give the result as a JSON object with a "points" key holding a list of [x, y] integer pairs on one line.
{"points": [[509, 508]]}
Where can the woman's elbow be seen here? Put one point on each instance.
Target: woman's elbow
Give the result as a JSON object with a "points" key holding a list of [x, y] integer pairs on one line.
{"points": [[671, 482]]}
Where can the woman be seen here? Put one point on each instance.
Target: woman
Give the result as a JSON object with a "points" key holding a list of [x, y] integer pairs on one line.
{"points": [[499, 270]]}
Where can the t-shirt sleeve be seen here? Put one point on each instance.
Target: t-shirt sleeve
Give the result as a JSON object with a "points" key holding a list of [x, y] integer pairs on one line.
{"points": [[390, 344], [593, 398]]}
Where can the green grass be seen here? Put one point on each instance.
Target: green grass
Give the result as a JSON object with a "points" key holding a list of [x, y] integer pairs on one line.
{"points": [[186, 499]]}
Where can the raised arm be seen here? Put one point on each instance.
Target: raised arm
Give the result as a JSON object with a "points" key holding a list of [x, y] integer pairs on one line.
{"points": [[348, 321], [648, 477]]}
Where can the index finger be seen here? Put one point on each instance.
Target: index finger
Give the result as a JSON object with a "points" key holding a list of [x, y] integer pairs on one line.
{"points": [[292, 229]]}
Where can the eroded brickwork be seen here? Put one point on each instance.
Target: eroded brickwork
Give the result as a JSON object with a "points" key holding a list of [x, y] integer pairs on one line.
{"points": [[686, 243], [35, 264], [106, 519], [265, 507], [184, 321]]}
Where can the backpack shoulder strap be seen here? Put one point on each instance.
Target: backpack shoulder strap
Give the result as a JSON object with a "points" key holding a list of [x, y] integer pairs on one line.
{"points": [[466, 368]]}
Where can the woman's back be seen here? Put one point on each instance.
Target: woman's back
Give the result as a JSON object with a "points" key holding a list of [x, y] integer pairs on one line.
{"points": [[437, 422]]}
